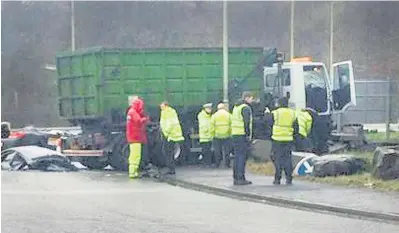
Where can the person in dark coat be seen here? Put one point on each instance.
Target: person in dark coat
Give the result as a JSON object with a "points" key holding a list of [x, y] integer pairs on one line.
{"points": [[241, 136]]}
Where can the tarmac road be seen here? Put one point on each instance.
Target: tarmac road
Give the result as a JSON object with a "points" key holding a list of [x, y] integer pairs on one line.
{"points": [[108, 202]]}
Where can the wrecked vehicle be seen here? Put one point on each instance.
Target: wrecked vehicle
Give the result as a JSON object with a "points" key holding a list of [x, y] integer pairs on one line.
{"points": [[94, 86], [336, 165], [30, 136], [34, 158], [187, 78]]}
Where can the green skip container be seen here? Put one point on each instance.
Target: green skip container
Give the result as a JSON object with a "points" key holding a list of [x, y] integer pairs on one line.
{"points": [[95, 83]]}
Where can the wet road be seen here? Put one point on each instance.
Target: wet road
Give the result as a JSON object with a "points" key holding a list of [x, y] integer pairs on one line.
{"points": [[108, 202]]}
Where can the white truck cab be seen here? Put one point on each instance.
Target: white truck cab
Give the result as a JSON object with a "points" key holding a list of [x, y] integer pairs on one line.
{"points": [[308, 84]]}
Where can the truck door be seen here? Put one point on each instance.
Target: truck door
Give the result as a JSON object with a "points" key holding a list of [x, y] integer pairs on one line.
{"points": [[343, 86]]}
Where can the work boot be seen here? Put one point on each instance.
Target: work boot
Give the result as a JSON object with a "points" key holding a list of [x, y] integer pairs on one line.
{"points": [[288, 182], [134, 175], [133, 172], [276, 182], [242, 182], [171, 171]]}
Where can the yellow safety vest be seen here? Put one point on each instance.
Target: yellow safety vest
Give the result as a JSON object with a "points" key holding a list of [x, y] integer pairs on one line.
{"points": [[221, 124], [237, 121], [283, 129], [170, 125], [204, 126], [305, 123]]}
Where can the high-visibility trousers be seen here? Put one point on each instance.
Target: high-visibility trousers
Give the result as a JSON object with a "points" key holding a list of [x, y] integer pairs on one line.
{"points": [[134, 159]]}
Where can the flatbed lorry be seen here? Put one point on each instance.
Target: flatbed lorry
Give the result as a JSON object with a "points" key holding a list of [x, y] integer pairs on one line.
{"points": [[94, 86]]}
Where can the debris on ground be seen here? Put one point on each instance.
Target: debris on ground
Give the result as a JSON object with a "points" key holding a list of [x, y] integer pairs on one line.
{"points": [[337, 164], [386, 163], [28, 136], [35, 158]]}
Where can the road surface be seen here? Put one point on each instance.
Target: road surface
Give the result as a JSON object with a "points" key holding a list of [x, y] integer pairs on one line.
{"points": [[108, 202]]}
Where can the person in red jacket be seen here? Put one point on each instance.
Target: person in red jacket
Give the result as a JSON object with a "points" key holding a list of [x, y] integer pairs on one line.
{"points": [[136, 135]]}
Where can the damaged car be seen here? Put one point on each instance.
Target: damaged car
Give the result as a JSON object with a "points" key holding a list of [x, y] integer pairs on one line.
{"points": [[35, 158]]}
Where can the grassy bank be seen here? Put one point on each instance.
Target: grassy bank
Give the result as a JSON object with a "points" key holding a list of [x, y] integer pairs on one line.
{"points": [[381, 137], [357, 180]]}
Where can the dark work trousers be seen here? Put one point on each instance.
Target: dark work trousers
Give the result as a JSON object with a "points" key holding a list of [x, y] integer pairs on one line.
{"points": [[145, 157], [207, 152], [303, 144], [282, 160], [240, 147], [168, 151], [222, 149]]}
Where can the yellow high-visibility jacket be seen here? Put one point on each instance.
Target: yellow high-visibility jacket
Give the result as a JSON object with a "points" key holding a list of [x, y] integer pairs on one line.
{"points": [[204, 126], [221, 124], [170, 125], [305, 123], [283, 127]]}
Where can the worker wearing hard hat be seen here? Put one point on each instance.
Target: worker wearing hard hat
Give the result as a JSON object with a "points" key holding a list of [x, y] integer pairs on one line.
{"points": [[205, 134], [241, 136], [305, 121], [285, 129], [171, 134], [221, 132]]}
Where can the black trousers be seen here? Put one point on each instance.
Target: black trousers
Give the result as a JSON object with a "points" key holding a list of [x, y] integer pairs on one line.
{"points": [[207, 155], [222, 150], [240, 147], [168, 148], [303, 144], [282, 159], [145, 157]]}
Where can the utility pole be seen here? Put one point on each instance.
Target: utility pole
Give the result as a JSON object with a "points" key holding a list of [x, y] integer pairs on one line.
{"points": [[225, 55], [72, 25], [331, 37], [331, 60], [292, 29]]}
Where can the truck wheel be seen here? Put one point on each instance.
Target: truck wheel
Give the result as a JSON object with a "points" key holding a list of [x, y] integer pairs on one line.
{"points": [[95, 163], [119, 158]]}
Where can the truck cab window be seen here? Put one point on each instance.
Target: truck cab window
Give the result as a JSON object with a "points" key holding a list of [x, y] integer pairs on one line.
{"points": [[271, 79], [315, 87], [342, 77], [341, 91]]}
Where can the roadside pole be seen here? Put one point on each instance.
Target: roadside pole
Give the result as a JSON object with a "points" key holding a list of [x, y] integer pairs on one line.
{"points": [[388, 109], [292, 29], [331, 60], [72, 25], [225, 56]]}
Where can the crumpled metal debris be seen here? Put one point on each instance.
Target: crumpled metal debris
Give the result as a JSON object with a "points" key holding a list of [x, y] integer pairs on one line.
{"points": [[35, 158], [338, 164]]}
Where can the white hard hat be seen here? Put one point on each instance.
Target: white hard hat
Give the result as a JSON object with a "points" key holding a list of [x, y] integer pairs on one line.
{"points": [[208, 105]]}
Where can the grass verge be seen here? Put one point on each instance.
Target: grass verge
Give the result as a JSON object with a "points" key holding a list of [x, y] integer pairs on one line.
{"points": [[357, 180], [381, 137]]}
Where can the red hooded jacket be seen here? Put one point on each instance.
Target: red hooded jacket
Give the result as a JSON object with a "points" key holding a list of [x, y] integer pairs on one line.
{"points": [[136, 123]]}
